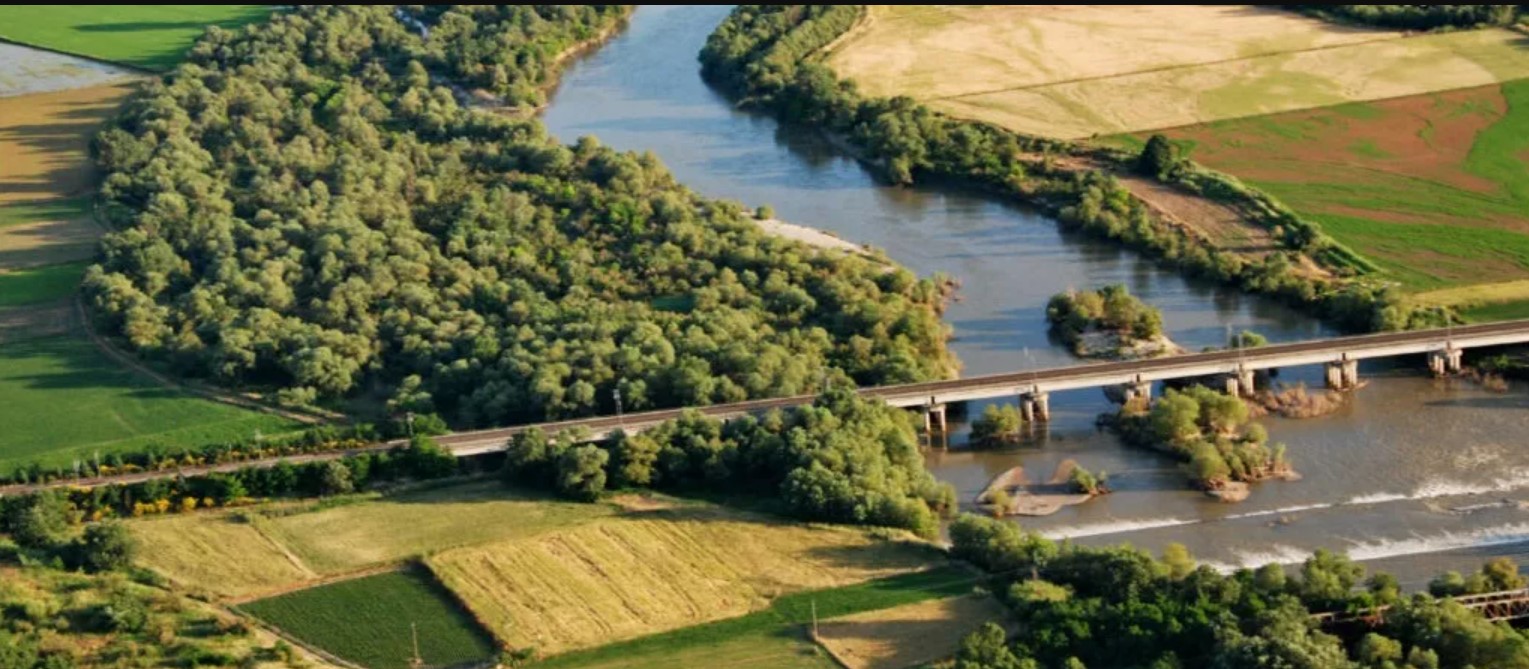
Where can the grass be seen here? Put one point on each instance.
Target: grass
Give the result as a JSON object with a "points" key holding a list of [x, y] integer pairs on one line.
{"points": [[33, 211], [281, 544], [414, 523], [773, 637], [216, 554], [1430, 188], [150, 37], [1501, 311], [368, 621], [912, 635], [65, 400], [627, 577], [1078, 72], [39, 284]]}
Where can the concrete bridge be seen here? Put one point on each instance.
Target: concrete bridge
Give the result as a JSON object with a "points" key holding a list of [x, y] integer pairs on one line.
{"points": [[1339, 355], [1235, 368]]}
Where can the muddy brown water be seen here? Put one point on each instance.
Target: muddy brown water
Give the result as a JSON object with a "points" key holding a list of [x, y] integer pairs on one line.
{"points": [[1415, 475]]}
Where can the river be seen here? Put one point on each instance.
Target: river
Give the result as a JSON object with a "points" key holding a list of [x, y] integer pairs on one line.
{"points": [[1415, 474]]}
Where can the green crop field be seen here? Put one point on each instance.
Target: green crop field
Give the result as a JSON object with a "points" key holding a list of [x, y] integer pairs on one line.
{"points": [[774, 637], [1432, 188], [40, 284], [368, 621], [152, 37], [66, 400]]}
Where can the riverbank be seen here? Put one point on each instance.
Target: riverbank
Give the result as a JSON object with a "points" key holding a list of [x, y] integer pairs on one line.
{"points": [[810, 236], [913, 144]]}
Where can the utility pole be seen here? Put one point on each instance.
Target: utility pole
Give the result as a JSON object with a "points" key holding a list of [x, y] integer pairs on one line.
{"points": [[616, 393], [408, 418], [814, 619]]}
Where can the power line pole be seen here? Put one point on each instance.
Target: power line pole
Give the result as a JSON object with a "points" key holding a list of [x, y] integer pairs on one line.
{"points": [[814, 620], [415, 662]]}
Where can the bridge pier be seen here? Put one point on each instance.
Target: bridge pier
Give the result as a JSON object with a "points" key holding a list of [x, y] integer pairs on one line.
{"points": [[1445, 362], [1240, 383], [1343, 374], [1035, 406], [1137, 390], [934, 416]]}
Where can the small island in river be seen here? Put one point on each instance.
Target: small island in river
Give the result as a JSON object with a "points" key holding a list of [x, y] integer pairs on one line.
{"points": [[1109, 324]]}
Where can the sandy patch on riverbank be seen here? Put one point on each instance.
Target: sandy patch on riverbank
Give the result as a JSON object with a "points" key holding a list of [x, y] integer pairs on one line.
{"points": [[810, 236]]}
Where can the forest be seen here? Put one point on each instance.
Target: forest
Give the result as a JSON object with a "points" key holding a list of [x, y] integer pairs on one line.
{"points": [[761, 56], [842, 459], [305, 208], [1103, 608], [1416, 17]]}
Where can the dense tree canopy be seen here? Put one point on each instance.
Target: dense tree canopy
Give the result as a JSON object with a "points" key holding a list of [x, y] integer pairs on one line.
{"points": [[301, 207], [1417, 17], [1105, 608], [842, 459]]}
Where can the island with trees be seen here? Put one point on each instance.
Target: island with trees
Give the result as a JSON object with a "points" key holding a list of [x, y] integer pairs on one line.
{"points": [[1109, 323]]}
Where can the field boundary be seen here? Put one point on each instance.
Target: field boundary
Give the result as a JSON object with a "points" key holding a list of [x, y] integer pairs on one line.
{"points": [[93, 59]]}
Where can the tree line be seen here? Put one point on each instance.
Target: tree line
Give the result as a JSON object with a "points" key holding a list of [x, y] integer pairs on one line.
{"points": [[1416, 17], [1102, 608], [303, 208], [842, 459], [760, 56]]}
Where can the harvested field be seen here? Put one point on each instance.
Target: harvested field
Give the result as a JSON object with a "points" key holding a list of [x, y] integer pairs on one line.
{"points": [[28, 71], [1432, 188], [151, 37], [623, 578], [1080, 71], [373, 621], [774, 638], [286, 544], [216, 553], [414, 523], [907, 636]]}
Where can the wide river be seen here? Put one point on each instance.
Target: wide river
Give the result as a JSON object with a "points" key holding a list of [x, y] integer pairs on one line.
{"points": [[1415, 475]]}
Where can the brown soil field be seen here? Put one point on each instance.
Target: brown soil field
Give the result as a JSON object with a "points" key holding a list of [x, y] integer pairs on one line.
{"points": [[622, 578], [44, 161], [907, 636], [1426, 186], [1079, 71]]}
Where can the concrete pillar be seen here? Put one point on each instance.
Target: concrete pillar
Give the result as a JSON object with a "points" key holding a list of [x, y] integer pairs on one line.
{"points": [[1445, 362], [1138, 390], [1245, 383], [1035, 406], [1343, 374]]}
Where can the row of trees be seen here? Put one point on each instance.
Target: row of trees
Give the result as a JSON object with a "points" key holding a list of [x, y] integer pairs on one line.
{"points": [[40, 519], [1210, 431], [843, 459], [757, 55], [300, 207], [1121, 607], [1416, 17]]}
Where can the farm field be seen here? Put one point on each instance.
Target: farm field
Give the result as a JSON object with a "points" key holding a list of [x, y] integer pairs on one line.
{"points": [[1432, 188], [236, 554], [150, 37], [28, 71], [367, 621], [776, 637], [66, 400], [1096, 70], [907, 636], [628, 577]]}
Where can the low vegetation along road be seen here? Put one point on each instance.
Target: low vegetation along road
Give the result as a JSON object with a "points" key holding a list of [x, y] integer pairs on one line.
{"points": [[915, 394]]}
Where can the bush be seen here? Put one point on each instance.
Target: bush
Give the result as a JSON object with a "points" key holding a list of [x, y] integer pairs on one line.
{"points": [[999, 426], [106, 546]]}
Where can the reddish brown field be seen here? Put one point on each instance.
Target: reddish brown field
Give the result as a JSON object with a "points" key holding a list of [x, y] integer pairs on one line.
{"points": [[1432, 187]]}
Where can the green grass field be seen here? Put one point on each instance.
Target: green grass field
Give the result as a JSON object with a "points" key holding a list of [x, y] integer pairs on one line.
{"points": [[39, 284], [774, 637], [64, 400], [367, 621], [151, 37], [16, 213]]}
